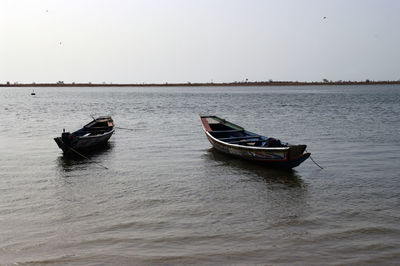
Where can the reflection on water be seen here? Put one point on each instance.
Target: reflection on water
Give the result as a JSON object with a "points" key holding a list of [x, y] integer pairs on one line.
{"points": [[75, 161], [279, 198], [288, 177]]}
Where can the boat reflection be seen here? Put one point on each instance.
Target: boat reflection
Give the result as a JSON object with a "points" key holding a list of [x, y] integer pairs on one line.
{"points": [[289, 177], [74, 161], [280, 195]]}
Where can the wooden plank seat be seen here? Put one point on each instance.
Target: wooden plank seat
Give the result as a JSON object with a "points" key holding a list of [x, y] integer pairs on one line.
{"points": [[227, 131], [242, 137], [247, 141], [97, 128]]}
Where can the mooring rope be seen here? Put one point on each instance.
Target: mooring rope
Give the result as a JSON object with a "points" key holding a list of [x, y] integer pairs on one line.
{"points": [[87, 158], [315, 161], [125, 128]]}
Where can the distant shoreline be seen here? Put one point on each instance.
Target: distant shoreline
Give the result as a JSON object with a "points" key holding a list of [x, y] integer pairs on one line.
{"points": [[210, 84]]}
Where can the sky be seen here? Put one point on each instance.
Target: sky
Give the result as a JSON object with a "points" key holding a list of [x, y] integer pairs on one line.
{"points": [[158, 41]]}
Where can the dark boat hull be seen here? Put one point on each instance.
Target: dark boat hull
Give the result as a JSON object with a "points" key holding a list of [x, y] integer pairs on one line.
{"points": [[272, 157], [87, 143], [93, 135]]}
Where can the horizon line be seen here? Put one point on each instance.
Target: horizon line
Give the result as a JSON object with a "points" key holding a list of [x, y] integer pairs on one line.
{"points": [[199, 84]]}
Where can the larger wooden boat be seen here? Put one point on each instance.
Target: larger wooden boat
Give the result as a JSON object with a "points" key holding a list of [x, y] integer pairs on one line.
{"points": [[91, 136], [235, 140]]}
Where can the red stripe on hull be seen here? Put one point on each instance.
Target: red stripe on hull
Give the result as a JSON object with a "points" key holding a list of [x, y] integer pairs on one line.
{"points": [[206, 125]]}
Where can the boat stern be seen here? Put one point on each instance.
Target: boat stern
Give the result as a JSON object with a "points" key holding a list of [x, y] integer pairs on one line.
{"points": [[61, 144], [296, 151]]}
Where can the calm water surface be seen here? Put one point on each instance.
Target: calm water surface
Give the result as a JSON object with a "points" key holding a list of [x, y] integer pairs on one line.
{"points": [[168, 198]]}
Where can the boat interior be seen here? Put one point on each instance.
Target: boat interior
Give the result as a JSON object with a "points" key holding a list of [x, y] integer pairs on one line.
{"points": [[234, 134], [84, 132], [100, 124]]}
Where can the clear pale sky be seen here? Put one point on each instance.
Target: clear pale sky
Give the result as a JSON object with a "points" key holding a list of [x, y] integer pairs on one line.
{"points": [[135, 41]]}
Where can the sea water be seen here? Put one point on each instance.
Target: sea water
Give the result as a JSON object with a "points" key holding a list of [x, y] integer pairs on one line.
{"points": [[168, 198]]}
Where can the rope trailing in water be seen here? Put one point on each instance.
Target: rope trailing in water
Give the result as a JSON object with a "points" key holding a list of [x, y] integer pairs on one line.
{"points": [[125, 128], [315, 162], [87, 158]]}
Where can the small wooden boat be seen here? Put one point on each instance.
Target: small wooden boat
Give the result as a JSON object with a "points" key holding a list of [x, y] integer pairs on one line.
{"points": [[93, 135], [235, 140]]}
